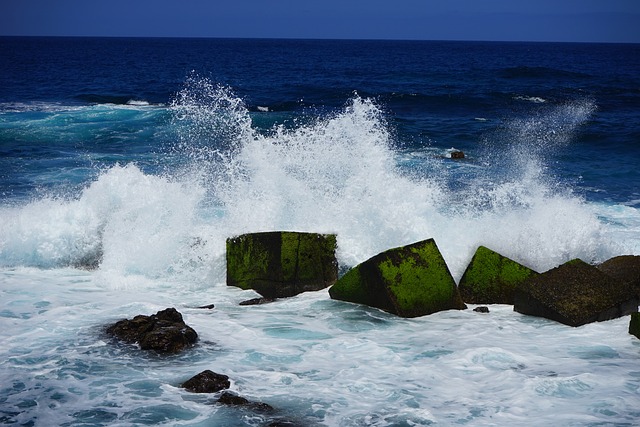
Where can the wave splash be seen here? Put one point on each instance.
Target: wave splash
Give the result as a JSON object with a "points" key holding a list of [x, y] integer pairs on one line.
{"points": [[337, 173]]}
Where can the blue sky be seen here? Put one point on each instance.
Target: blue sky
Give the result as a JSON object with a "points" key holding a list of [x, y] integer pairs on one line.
{"points": [[513, 20]]}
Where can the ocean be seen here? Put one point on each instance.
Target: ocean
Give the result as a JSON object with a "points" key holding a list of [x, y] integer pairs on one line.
{"points": [[126, 163]]}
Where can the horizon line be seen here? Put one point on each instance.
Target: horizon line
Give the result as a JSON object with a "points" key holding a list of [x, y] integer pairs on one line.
{"points": [[309, 39]]}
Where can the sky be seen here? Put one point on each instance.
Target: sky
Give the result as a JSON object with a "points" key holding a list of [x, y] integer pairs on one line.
{"points": [[486, 20]]}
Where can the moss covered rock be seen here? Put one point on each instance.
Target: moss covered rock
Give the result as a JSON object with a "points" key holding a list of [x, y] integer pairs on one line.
{"points": [[575, 293], [491, 278], [282, 263], [409, 281], [634, 325]]}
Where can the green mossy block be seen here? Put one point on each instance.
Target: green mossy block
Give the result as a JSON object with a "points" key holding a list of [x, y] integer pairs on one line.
{"points": [[409, 281], [634, 325], [281, 263], [491, 278]]}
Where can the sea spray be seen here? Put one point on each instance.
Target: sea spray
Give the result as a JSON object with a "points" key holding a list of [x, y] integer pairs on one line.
{"points": [[127, 221], [337, 173]]}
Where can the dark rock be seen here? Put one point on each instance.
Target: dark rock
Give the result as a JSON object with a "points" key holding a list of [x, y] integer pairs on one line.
{"points": [[409, 281], [575, 294], [207, 382], [625, 268], [282, 264], [164, 332], [231, 399], [257, 301], [207, 307], [481, 309], [457, 155], [634, 325], [283, 423], [491, 278]]}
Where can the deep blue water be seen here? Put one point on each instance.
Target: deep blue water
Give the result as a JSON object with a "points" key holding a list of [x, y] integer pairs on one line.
{"points": [[433, 94]]}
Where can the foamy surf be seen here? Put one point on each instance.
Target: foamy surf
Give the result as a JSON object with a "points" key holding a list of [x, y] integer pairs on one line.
{"points": [[334, 174]]}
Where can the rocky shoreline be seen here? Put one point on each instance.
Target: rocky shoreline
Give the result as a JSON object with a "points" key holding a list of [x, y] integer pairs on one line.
{"points": [[408, 281]]}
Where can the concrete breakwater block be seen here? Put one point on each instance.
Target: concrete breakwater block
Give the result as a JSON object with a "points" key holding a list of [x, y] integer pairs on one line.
{"points": [[281, 264], [408, 281], [491, 278], [575, 293]]}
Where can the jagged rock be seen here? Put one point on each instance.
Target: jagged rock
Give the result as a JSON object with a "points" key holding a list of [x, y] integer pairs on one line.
{"points": [[409, 281], [625, 268], [207, 382], [164, 332], [634, 325], [481, 309], [575, 293], [282, 264], [228, 398], [257, 301], [491, 278]]}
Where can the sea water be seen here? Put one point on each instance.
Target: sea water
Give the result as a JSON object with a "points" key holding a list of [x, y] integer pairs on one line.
{"points": [[126, 163]]}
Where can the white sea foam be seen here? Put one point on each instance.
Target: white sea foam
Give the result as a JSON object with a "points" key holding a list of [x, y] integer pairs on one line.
{"points": [[138, 103], [318, 361], [534, 99], [334, 174]]}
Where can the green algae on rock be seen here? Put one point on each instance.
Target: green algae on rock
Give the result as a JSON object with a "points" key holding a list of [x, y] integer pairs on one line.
{"points": [[491, 278], [408, 281], [281, 264], [575, 293]]}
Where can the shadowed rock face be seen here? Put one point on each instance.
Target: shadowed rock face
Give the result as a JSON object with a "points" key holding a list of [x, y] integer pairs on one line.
{"points": [[163, 332], [625, 268], [409, 281], [634, 325], [575, 294], [491, 278], [282, 264]]}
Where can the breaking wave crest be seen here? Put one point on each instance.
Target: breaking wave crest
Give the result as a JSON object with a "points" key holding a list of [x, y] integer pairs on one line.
{"points": [[336, 173]]}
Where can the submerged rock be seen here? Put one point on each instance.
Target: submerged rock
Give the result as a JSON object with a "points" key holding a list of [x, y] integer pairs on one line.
{"points": [[164, 332], [282, 264], [491, 278], [408, 281], [207, 382], [258, 301], [228, 398], [575, 293], [481, 309]]}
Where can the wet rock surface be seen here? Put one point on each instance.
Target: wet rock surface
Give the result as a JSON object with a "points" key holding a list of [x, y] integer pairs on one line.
{"points": [[575, 293], [282, 264], [163, 332], [408, 281], [207, 382]]}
